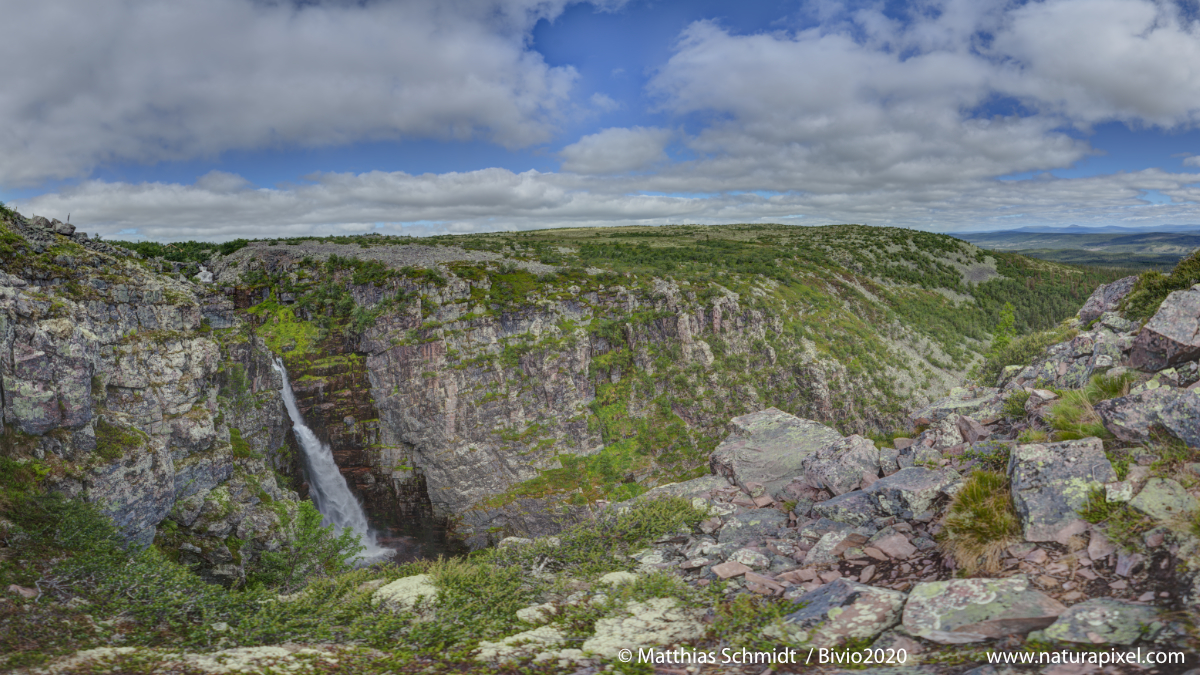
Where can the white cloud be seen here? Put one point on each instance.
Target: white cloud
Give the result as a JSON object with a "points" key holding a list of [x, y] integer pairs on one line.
{"points": [[496, 199], [1194, 160], [93, 81], [604, 102], [617, 150]]}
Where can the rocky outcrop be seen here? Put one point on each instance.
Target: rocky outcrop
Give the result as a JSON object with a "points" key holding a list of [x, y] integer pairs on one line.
{"points": [[107, 364], [1172, 335], [1051, 482], [1106, 298]]}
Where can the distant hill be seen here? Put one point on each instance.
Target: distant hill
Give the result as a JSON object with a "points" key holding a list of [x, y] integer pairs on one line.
{"points": [[1094, 246]]}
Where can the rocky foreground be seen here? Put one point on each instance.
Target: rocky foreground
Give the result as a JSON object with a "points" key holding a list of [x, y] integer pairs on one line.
{"points": [[1053, 516]]}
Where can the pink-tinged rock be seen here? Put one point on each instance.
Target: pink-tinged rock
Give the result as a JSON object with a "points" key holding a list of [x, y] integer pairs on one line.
{"points": [[1037, 556], [768, 447], [971, 430], [875, 553], [27, 593], [729, 569], [1127, 563], [895, 546], [763, 501], [1105, 298], [1172, 335], [1100, 547], [867, 574], [765, 581], [902, 443]]}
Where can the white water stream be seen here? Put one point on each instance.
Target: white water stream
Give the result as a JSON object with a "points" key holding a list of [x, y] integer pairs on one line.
{"points": [[327, 487]]}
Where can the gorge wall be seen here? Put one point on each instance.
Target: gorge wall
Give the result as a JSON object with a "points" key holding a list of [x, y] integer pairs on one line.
{"points": [[470, 389]]}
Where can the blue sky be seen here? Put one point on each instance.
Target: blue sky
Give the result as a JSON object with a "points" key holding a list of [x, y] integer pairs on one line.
{"points": [[213, 119]]}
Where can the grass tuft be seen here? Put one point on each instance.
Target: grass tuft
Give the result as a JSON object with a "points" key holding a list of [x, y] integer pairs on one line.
{"points": [[980, 523]]}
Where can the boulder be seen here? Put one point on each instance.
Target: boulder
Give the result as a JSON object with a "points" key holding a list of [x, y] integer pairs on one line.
{"points": [[842, 610], [854, 508], [1131, 417], [1103, 621], [768, 447], [972, 431], [1164, 499], [972, 610], [1105, 299], [982, 403], [403, 594], [1050, 483], [65, 229], [840, 467], [753, 525], [913, 489], [1172, 335]]}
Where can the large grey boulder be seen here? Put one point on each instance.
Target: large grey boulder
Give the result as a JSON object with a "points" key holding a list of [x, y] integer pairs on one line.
{"points": [[1050, 483], [912, 490], [1103, 621], [842, 610], [1106, 298], [1172, 335], [853, 508], [769, 447], [756, 525], [972, 610], [841, 467], [1130, 418]]}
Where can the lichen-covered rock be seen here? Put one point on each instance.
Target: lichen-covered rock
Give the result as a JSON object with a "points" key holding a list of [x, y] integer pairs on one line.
{"points": [[984, 404], [1164, 499], [659, 621], [1130, 418], [1172, 335], [1050, 483], [972, 610], [756, 524], [403, 594], [840, 467], [854, 508], [912, 490], [617, 578], [769, 447], [1105, 298], [1103, 621], [842, 610]]}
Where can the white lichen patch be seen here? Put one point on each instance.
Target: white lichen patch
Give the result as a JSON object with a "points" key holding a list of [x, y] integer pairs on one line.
{"points": [[403, 594], [520, 646], [289, 658], [655, 622], [617, 578], [537, 613]]}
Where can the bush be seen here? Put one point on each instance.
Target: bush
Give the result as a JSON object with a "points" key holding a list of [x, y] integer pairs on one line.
{"points": [[981, 523], [1154, 287], [1074, 416], [312, 550]]}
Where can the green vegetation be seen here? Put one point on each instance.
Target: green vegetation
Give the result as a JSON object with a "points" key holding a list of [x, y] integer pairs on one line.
{"points": [[312, 551], [1154, 287], [1021, 351], [182, 251], [1120, 522], [980, 523], [113, 441], [1073, 417]]}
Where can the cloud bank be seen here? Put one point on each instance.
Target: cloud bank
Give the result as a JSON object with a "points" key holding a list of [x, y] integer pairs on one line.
{"points": [[914, 120]]}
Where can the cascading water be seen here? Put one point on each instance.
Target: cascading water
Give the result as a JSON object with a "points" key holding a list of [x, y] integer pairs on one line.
{"points": [[327, 487]]}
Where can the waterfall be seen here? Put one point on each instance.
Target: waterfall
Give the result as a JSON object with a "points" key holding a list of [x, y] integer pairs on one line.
{"points": [[327, 487]]}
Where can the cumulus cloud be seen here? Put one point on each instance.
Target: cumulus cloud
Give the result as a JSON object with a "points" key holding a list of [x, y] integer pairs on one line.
{"points": [[617, 150], [1193, 160], [93, 81]]}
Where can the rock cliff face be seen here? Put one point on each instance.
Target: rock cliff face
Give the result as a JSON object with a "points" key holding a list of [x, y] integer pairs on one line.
{"points": [[113, 374]]}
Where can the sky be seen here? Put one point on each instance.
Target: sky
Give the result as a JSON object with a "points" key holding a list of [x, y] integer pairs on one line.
{"points": [[217, 119]]}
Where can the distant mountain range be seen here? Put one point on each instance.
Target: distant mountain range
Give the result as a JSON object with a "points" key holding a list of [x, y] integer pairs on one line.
{"points": [[1081, 229], [1110, 246]]}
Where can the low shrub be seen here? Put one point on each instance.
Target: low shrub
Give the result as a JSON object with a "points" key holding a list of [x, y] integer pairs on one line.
{"points": [[1022, 350], [1154, 287]]}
